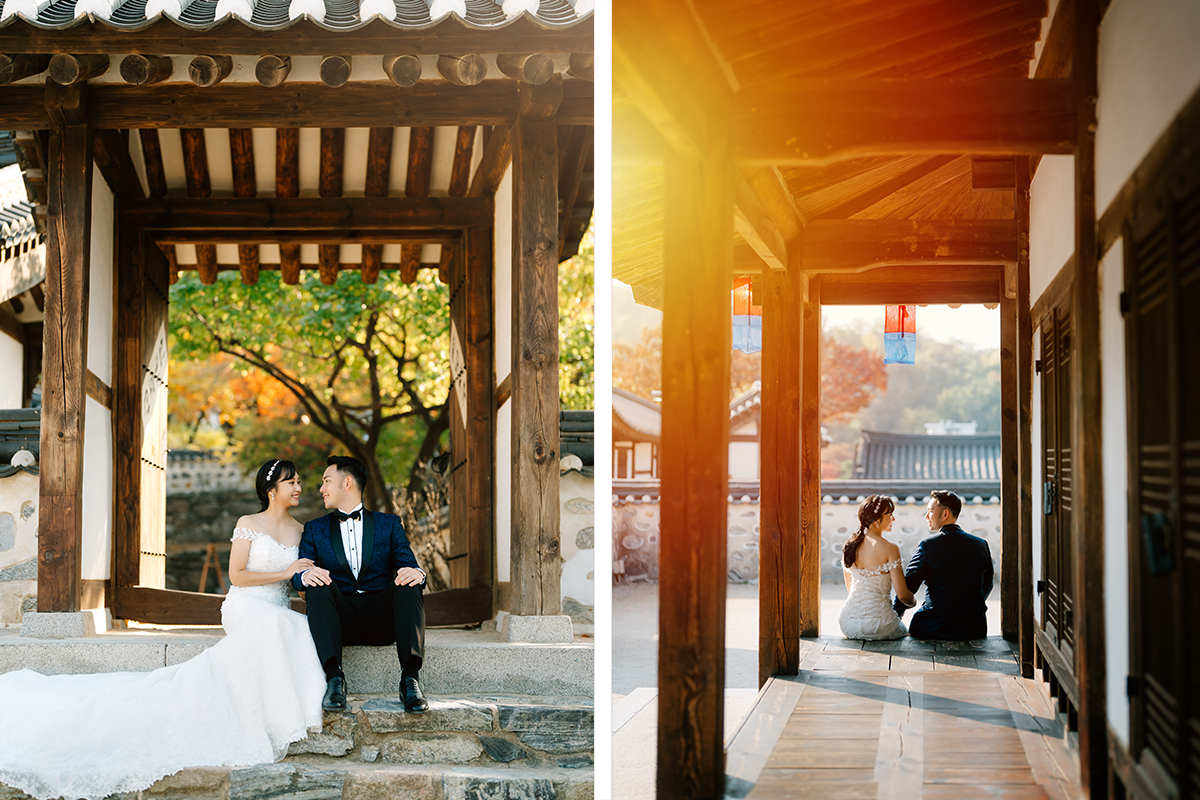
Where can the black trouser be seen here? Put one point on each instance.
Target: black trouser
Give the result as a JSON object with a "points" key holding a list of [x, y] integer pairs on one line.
{"points": [[395, 615]]}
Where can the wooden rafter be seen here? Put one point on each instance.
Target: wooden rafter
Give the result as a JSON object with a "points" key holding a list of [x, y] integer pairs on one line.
{"points": [[912, 285], [757, 229], [241, 154], [379, 171], [110, 149], [460, 170], [497, 155], [313, 213], [854, 245], [156, 175], [287, 185], [333, 157], [870, 196], [818, 120], [195, 167], [573, 150]]}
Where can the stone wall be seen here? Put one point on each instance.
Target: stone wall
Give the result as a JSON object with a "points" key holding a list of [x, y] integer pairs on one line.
{"points": [[577, 522], [18, 545], [635, 533]]}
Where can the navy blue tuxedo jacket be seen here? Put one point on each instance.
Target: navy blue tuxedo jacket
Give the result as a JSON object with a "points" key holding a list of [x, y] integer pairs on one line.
{"points": [[385, 550], [956, 568]]}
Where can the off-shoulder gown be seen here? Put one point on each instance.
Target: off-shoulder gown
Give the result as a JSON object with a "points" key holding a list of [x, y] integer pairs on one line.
{"points": [[868, 612], [239, 702]]}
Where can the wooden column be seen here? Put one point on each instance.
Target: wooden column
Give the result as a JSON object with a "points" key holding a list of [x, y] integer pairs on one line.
{"points": [[127, 403], [693, 465], [810, 466], [1010, 579], [1026, 619], [481, 407], [536, 564], [64, 350], [779, 482], [1088, 500]]}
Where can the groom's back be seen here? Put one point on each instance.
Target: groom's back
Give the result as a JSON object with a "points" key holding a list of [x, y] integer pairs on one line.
{"points": [[959, 577]]}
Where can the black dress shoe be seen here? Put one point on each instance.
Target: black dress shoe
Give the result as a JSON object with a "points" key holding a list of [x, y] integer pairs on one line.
{"points": [[412, 696], [335, 695]]}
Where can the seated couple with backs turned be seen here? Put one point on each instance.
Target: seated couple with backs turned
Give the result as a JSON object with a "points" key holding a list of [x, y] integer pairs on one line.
{"points": [[955, 567]]}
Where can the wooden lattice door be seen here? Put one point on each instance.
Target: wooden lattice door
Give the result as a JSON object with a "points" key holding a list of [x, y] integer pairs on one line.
{"points": [[1162, 295], [155, 320], [1058, 570]]}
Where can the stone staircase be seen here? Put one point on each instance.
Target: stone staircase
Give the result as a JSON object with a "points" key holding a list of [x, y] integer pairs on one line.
{"points": [[506, 721]]}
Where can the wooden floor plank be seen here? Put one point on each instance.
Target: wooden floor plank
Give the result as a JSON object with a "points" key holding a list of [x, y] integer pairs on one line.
{"points": [[911, 662], [899, 759], [1003, 792], [973, 776]]}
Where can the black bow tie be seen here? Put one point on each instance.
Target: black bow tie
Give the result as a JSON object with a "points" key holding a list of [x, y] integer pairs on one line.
{"points": [[342, 516]]}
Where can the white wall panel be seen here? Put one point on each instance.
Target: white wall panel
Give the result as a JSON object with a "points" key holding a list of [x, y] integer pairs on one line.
{"points": [[1051, 221], [97, 492], [100, 299]]}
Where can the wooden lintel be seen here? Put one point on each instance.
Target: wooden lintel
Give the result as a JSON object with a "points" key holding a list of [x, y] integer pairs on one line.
{"points": [[913, 285], [312, 213], [110, 150], [757, 228], [504, 391], [993, 173], [98, 390], [872, 195], [497, 155], [820, 120], [302, 38], [855, 245], [212, 237]]}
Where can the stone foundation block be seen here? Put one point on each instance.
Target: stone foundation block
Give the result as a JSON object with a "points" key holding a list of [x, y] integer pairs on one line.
{"points": [[538, 629], [432, 748], [550, 729], [502, 750], [389, 785], [285, 782], [65, 625], [389, 716], [197, 783], [512, 786]]}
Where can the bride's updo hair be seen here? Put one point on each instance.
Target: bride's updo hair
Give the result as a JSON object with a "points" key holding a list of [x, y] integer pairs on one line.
{"points": [[269, 474], [869, 510]]}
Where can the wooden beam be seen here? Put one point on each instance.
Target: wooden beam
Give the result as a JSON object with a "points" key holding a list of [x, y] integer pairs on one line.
{"points": [[853, 245], [335, 71], [67, 69], [287, 162], [504, 391], [582, 66], [98, 390], [272, 70], [241, 153], [1027, 621], [206, 263], [312, 213], [372, 262], [912, 285], [146, 70], [282, 236], [464, 70], [410, 262], [420, 162], [779, 457], [127, 411], [694, 456], [574, 147], [327, 263], [195, 162], [861, 202], [15, 67], [111, 151], [776, 199], [64, 354], [536, 568], [205, 71], [333, 156], [757, 228], [304, 38], [11, 327], [379, 162], [993, 173], [289, 263], [460, 171], [810, 463], [156, 175], [815, 121], [481, 411], [445, 261], [403, 70], [1010, 577], [497, 155], [1087, 518], [534, 68]]}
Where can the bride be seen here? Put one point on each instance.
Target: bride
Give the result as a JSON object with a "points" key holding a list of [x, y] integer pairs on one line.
{"points": [[240, 702], [872, 568]]}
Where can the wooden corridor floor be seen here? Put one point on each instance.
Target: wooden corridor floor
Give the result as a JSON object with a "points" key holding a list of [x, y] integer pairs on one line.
{"points": [[904, 720]]}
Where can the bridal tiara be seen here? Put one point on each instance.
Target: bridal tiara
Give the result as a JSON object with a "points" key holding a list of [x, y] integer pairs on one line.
{"points": [[271, 471]]}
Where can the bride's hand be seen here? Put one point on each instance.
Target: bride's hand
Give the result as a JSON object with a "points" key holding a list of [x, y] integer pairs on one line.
{"points": [[299, 565]]}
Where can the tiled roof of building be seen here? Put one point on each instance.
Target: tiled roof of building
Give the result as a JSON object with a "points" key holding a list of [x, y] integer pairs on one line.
{"points": [[919, 456]]}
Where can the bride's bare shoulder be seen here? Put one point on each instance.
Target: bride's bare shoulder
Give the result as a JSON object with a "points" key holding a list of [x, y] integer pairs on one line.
{"points": [[248, 521]]}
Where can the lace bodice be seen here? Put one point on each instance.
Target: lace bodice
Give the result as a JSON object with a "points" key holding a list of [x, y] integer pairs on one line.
{"points": [[868, 612], [266, 555], [882, 569]]}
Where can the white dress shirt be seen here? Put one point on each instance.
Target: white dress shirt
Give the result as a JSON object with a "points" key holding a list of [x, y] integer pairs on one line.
{"points": [[352, 543]]}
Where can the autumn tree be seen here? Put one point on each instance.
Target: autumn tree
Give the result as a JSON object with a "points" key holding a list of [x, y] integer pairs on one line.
{"points": [[576, 326], [360, 360]]}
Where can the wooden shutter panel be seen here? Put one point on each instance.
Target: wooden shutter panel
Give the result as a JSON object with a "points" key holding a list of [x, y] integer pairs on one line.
{"points": [[1066, 549], [1050, 549]]}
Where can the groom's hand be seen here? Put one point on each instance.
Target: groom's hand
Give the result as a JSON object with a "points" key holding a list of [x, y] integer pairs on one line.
{"points": [[408, 576], [316, 577]]}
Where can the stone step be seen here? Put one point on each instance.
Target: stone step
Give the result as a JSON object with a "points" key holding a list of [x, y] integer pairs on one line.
{"points": [[351, 781], [456, 661], [485, 731]]}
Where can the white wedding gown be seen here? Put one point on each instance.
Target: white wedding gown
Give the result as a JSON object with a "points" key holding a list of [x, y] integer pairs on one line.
{"points": [[868, 612], [240, 702]]}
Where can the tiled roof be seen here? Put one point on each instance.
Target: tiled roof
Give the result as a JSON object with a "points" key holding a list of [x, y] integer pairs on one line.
{"points": [[16, 212], [346, 15], [918, 456]]}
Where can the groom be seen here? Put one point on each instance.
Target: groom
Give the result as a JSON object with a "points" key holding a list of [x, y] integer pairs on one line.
{"points": [[366, 585], [957, 569]]}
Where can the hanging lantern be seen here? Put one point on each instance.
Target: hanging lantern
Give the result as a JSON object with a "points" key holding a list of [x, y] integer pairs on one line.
{"points": [[900, 335], [747, 318]]}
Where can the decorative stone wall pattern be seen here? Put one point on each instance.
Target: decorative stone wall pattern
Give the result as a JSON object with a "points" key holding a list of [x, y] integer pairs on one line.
{"points": [[577, 521], [18, 544], [635, 534]]}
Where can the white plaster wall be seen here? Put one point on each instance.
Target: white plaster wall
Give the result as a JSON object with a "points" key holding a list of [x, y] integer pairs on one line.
{"points": [[18, 544], [1035, 438], [643, 459], [97, 492], [743, 461], [1115, 468], [100, 302], [502, 281], [1149, 65], [1051, 221], [577, 532], [12, 366]]}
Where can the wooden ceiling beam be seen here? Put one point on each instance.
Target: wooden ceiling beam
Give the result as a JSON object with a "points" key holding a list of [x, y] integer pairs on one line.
{"points": [[573, 150], [497, 155], [313, 213], [281, 236], [460, 170], [156, 175], [195, 167], [757, 229], [913, 285], [303, 38], [110, 151], [329, 184], [864, 200], [857, 245], [379, 171], [343, 266], [420, 162], [808, 121], [241, 155], [993, 173]]}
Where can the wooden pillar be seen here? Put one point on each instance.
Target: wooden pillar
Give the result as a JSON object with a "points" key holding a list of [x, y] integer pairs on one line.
{"points": [[810, 466], [779, 482], [127, 403], [1088, 500], [536, 567], [1010, 458], [1026, 620], [481, 407], [694, 469], [64, 350]]}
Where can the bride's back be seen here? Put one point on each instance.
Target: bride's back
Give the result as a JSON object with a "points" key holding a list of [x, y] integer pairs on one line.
{"points": [[875, 552]]}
